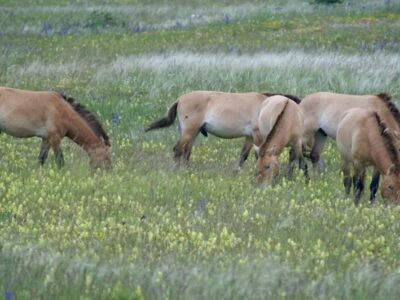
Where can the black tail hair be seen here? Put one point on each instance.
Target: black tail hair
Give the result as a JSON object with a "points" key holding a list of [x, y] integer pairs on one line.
{"points": [[167, 120]]}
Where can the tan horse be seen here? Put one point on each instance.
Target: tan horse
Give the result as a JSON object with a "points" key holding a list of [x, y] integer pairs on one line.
{"points": [[364, 139], [323, 112], [51, 116], [280, 125], [225, 115]]}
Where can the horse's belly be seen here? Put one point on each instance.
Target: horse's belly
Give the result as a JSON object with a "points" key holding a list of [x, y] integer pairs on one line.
{"points": [[329, 127], [227, 130], [20, 130]]}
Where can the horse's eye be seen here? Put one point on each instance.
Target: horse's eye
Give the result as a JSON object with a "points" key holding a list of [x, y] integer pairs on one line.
{"points": [[390, 187], [267, 167]]}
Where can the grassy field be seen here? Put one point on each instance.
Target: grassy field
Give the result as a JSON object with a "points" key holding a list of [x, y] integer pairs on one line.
{"points": [[144, 231]]}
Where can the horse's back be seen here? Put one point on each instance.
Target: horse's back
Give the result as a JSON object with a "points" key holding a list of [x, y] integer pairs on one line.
{"points": [[323, 101], [226, 115], [27, 113], [324, 110]]}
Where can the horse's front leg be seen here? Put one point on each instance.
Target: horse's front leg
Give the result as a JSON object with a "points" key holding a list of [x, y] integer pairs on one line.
{"points": [[59, 156], [292, 161], [55, 145], [345, 166], [44, 151], [359, 176], [302, 163], [374, 186]]}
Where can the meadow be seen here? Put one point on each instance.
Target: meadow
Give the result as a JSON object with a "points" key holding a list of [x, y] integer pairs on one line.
{"points": [[146, 231]]}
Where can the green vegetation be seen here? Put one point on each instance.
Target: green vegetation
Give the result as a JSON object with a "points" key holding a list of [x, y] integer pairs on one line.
{"points": [[144, 231]]}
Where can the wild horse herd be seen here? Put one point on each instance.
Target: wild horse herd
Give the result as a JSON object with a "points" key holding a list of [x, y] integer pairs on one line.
{"points": [[366, 129]]}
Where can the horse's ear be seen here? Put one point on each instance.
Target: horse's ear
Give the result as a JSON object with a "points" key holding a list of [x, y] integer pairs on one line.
{"points": [[391, 170], [272, 150], [256, 148], [396, 134]]}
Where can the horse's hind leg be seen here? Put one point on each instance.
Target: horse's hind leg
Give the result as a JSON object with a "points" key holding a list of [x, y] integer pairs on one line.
{"points": [[374, 186], [319, 143], [44, 151], [244, 154], [183, 148]]}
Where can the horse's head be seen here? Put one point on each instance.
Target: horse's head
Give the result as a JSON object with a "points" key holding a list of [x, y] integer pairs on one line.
{"points": [[267, 166], [100, 157], [390, 186]]}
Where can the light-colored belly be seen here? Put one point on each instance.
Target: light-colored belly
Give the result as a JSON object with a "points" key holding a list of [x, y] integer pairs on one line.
{"points": [[227, 128], [20, 127]]}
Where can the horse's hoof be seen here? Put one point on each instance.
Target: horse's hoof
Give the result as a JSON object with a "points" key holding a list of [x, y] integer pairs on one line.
{"points": [[320, 166]]}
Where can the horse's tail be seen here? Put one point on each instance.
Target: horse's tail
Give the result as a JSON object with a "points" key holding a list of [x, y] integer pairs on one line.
{"points": [[291, 97], [167, 120]]}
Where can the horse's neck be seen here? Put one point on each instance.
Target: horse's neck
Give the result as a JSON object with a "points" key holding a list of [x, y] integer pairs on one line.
{"points": [[388, 117], [277, 142], [379, 154], [81, 133]]}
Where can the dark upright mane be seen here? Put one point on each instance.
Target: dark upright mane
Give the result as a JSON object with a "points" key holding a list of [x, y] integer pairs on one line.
{"points": [[271, 134], [388, 141], [90, 119], [291, 97], [387, 99]]}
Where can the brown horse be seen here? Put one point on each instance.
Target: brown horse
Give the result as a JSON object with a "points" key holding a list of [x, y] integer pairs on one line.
{"points": [[52, 116], [323, 111], [280, 125], [225, 115], [364, 139]]}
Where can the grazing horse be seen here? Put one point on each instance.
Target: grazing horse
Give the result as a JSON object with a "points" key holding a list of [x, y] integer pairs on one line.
{"points": [[364, 139], [225, 115], [52, 116], [280, 124], [323, 111]]}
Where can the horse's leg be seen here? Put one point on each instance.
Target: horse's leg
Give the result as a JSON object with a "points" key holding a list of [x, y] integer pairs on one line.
{"points": [[319, 143], [302, 163], [257, 140], [244, 154], [359, 173], [44, 151], [345, 166], [183, 148], [177, 154], [292, 161], [374, 186], [187, 151], [55, 145]]}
